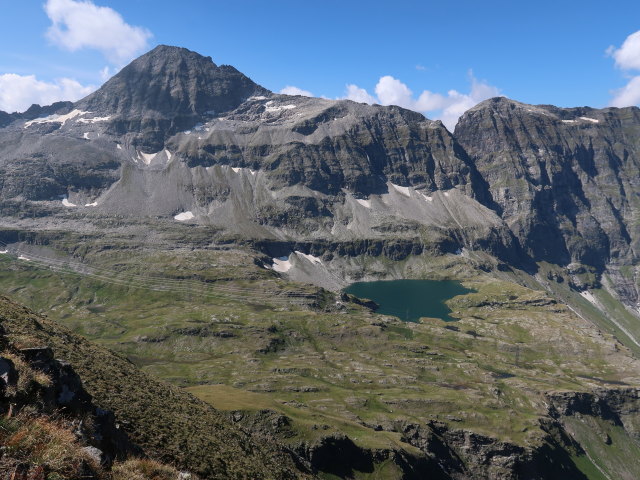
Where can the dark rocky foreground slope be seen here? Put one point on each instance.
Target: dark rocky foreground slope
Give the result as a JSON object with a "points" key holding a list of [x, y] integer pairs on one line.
{"points": [[154, 418]]}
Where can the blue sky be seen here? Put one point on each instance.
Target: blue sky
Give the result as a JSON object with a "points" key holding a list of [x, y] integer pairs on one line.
{"points": [[387, 52]]}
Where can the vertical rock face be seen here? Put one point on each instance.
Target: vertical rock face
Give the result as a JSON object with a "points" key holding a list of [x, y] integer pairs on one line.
{"points": [[565, 180]]}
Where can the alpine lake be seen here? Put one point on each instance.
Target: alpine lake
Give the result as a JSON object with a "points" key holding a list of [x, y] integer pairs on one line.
{"points": [[410, 300]]}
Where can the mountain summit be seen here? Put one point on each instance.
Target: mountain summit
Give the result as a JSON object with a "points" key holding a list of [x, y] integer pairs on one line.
{"points": [[169, 89]]}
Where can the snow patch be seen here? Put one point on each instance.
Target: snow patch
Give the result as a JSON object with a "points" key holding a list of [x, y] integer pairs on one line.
{"points": [[236, 169], [592, 120], [4, 251], [403, 190], [257, 97], [589, 296], [62, 119], [22, 257], [311, 258], [187, 132], [167, 153], [426, 197], [277, 108], [364, 203], [94, 119], [85, 135], [568, 121], [252, 172], [181, 217], [446, 194], [280, 265], [148, 157], [92, 204], [67, 203], [119, 147]]}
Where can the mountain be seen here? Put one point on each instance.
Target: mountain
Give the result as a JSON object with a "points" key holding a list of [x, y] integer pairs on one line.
{"points": [[565, 180], [167, 90], [203, 227]]}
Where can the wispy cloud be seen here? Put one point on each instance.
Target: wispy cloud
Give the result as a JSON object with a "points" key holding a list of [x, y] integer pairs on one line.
{"points": [[82, 24], [446, 107], [291, 90], [627, 58], [19, 92]]}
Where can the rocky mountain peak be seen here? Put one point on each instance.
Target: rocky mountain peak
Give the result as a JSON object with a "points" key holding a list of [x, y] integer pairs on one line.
{"points": [[166, 90], [170, 81]]}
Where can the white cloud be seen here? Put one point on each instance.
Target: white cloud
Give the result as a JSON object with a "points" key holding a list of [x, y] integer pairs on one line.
{"points": [[448, 108], [82, 24], [628, 95], [360, 95], [291, 90], [627, 57], [19, 92], [391, 91]]}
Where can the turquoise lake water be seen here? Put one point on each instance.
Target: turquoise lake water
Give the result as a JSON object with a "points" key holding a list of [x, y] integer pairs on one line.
{"points": [[410, 299]]}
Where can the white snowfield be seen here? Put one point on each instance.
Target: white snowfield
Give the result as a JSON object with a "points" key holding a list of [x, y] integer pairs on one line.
{"points": [[67, 203], [22, 257], [364, 203], [4, 251], [586, 119], [311, 258], [403, 190], [94, 119], [148, 157], [284, 264], [426, 197], [270, 108], [240, 169], [181, 217], [589, 296], [281, 264], [62, 119]]}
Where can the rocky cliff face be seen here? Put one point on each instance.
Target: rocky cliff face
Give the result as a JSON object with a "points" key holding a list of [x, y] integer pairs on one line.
{"points": [[565, 180]]}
